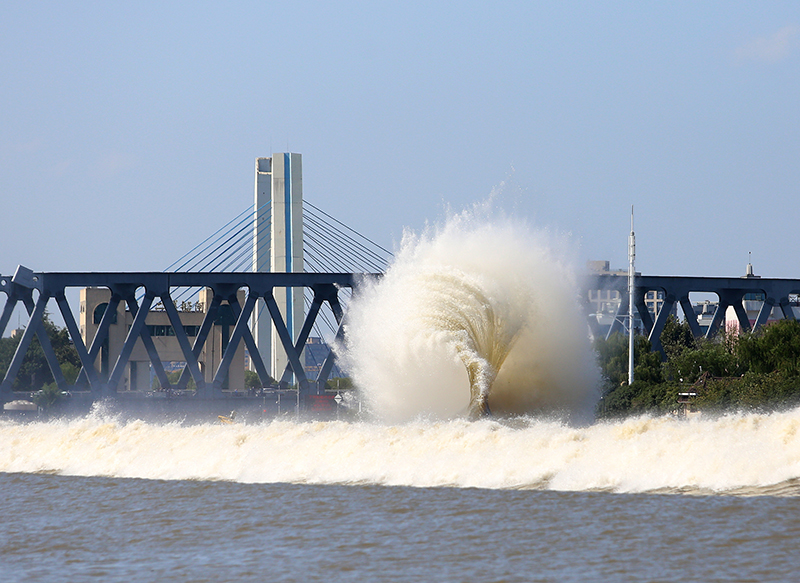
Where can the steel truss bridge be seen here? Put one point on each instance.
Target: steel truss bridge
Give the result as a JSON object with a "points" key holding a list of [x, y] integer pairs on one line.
{"points": [[35, 290], [335, 259], [730, 292]]}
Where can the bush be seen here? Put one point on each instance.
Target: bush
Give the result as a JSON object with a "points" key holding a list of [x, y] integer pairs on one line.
{"points": [[774, 348], [48, 397], [759, 371]]}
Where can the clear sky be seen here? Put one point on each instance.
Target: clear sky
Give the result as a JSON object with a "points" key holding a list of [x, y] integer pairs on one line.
{"points": [[128, 131]]}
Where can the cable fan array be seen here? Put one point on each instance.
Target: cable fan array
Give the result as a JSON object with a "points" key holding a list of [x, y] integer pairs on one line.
{"points": [[329, 246]]}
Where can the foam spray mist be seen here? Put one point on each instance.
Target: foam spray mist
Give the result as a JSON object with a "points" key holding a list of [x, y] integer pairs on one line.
{"points": [[479, 313]]}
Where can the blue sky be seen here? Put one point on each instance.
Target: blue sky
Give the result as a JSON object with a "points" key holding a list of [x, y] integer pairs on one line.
{"points": [[128, 131]]}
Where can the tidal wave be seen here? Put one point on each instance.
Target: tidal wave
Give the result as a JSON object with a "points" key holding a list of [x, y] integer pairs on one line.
{"points": [[739, 454], [479, 313]]}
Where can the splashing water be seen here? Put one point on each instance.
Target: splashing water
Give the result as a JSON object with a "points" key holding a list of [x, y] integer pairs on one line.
{"points": [[749, 454], [478, 314], [482, 331]]}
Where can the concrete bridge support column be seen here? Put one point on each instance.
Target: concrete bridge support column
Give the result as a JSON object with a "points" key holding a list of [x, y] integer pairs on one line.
{"points": [[278, 248]]}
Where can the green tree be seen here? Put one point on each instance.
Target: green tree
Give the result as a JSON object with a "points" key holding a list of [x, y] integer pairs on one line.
{"points": [[253, 381], [716, 357], [759, 371], [173, 378], [339, 383], [774, 348], [612, 356], [677, 337], [50, 396], [35, 372]]}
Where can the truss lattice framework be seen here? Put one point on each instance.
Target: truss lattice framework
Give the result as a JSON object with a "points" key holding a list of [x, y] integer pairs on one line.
{"points": [[325, 287], [124, 286], [729, 290]]}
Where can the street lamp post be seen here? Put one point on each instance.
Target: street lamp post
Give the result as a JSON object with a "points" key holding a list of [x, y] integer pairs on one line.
{"points": [[631, 282]]}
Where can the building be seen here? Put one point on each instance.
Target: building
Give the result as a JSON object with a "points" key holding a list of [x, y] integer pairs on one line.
{"points": [[139, 374], [753, 303], [604, 303], [315, 352], [704, 312]]}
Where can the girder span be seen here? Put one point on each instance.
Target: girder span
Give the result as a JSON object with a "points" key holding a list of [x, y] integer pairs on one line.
{"points": [[35, 290], [676, 289]]}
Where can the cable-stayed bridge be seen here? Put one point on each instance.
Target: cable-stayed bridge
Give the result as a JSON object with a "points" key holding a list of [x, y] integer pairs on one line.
{"points": [[329, 246]]}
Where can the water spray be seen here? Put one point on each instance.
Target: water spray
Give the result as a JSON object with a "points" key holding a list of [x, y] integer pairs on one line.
{"points": [[476, 315]]}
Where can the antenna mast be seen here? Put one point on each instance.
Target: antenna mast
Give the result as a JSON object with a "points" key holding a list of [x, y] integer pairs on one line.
{"points": [[631, 282]]}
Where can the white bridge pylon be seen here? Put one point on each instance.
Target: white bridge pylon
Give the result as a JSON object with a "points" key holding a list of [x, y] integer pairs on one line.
{"points": [[278, 249]]}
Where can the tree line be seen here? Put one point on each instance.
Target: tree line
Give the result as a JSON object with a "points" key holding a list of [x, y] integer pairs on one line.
{"points": [[746, 371]]}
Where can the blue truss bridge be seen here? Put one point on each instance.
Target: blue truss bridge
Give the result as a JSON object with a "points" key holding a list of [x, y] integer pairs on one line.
{"points": [[221, 268]]}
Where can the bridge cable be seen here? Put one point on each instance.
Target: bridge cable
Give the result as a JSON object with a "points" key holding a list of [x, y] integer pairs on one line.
{"points": [[339, 235], [350, 254], [346, 227]]}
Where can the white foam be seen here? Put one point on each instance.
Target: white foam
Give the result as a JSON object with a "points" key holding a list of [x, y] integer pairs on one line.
{"points": [[639, 454]]}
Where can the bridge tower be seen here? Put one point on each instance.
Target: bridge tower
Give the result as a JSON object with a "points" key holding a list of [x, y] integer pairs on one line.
{"points": [[278, 248]]}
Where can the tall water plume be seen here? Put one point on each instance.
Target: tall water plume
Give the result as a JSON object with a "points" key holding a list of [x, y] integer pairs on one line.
{"points": [[478, 313]]}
